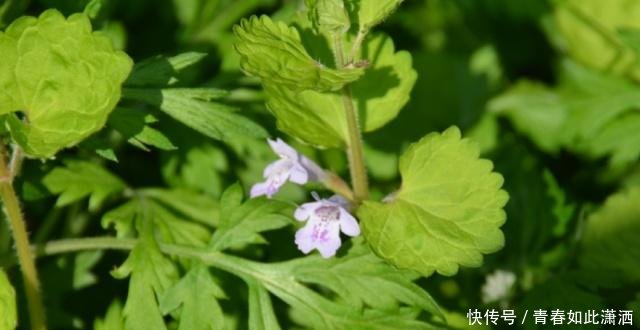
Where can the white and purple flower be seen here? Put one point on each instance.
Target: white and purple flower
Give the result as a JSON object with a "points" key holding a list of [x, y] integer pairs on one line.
{"points": [[326, 218], [290, 167]]}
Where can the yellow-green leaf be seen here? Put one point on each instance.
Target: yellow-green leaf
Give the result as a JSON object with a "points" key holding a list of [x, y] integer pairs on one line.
{"points": [[62, 77], [319, 117], [274, 52], [447, 213], [8, 312], [590, 33], [371, 12]]}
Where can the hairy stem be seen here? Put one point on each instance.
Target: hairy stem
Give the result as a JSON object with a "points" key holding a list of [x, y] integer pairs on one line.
{"points": [[21, 239], [354, 145]]}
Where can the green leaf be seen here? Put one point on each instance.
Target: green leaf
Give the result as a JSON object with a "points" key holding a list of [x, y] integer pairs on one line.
{"points": [[79, 179], [160, 71], [370, 13], [536, 111], [196, 206], [64, 87], [8, 311], [613, 231], [315, 311], [203, 167], [133, 125], [447, 213], [196, 294], [113, 320], [242, 222], [620, 140], [630, 37], [123, 219], [319, 118], [176, 229], [312, 309], [602, 118], [337, 317], [101, 146], [561, 292], [152, 274], [261, 314], [328, 15], [171, 227], [594, 100], [82, 264], [590, 33], [215, 120], [589, 113], [381, 165], [274, 52], [352, 277]]}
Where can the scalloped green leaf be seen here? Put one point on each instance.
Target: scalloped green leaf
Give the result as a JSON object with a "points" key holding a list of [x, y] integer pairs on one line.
{"points": [[614, 230], [328, 15], [274, 52], [371, 12], [447, 213], [64, 78], [319, 118]]}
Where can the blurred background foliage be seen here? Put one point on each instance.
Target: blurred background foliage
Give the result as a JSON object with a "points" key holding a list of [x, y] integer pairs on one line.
{"points": [[547, 88]]}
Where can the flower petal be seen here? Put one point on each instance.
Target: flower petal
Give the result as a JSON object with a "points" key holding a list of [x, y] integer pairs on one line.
{"points": [[259, 189], [316, 173], [283, 150], [331, 244], [278, 166], [304, 239], [304, 211], [299, 174], [348, 224]]}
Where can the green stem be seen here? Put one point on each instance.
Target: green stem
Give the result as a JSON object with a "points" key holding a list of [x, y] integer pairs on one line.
{"points": [[83, 244], [212, 258], [21, 239], [354, 145]]}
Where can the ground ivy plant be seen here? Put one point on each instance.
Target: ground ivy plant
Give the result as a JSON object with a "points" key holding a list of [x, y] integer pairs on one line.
{"points": [[328, 78]]}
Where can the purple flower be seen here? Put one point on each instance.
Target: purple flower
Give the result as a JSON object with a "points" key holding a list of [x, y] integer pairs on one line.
{"points": [[325, 219], [290, 167]]}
